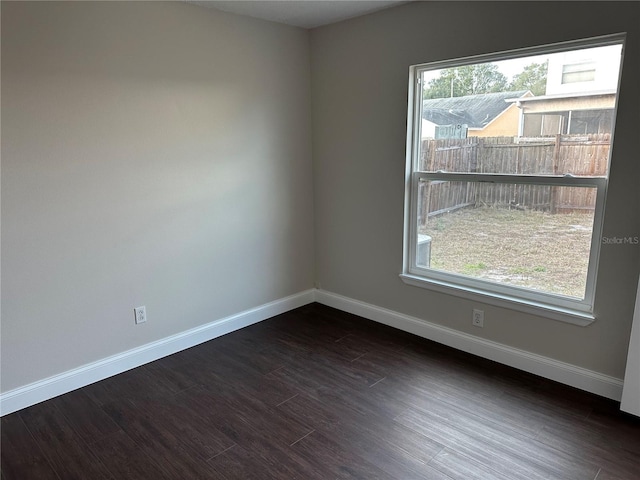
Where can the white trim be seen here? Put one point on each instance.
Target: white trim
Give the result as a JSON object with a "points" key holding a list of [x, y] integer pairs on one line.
{"points": [[51, 387], [588, 380]]}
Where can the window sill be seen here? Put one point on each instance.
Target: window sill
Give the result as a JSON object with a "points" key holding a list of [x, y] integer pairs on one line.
{"points": [[566, 315]]}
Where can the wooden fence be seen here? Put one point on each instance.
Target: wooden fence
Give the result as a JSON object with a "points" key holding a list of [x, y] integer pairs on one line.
{"points": [[573, 154]]}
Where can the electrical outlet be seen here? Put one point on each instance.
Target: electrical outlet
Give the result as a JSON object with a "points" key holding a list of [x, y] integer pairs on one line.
{"points": [[478, 318], [140, 314]]}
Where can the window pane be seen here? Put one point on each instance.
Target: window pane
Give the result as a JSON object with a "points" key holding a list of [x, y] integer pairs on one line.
{"points": [[591, 121], [532, 236], [579, 72], [574, 77]]}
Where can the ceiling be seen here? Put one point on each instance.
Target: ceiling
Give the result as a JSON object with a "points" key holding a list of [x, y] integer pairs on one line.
{"points": [[300, 13]]}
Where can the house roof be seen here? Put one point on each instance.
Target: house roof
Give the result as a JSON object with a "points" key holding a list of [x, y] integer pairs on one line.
{"points": [[565, 96], [474, 110]]}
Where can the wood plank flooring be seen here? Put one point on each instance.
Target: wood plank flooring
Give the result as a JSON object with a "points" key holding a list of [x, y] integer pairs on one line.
{"points": [[320, 394]]}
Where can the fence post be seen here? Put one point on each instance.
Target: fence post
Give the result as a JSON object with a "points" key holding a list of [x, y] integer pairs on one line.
{"points": [[473, 168], [429, 148], [556, 156]]}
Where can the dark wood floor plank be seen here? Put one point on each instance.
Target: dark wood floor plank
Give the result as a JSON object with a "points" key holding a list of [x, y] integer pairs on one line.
{"points": [[210, 369], [268, 390], [401, 365], [86, 417], [408, 368], [344, 400], [460, 467], [21, 455], [196, 432], [262, 445], [492, 457], [498, 448], [369, 432], [125, 459], [379, 333], [465, 371], [243, 416], [164, 445], [323, 454], [537, 413], [240, 463], [385, 444], [604, 449], [254, 353], [325, 361], [420, 395], [163, 374], [261, 464], [604, 475], [318, 370], [552, 398], [130, 385], [64, 449]]}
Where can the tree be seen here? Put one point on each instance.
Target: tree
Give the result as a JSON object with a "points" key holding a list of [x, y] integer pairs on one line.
{"points": [[466, 80], [533, 77]]}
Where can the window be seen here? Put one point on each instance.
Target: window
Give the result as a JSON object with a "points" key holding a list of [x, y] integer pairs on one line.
{"points": [[579, 72], [544, 124], [591, 121], [505, 183], [567, 122]]}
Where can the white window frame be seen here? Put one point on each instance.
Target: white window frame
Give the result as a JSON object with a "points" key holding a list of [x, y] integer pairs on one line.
{"points": [[557, 307]]}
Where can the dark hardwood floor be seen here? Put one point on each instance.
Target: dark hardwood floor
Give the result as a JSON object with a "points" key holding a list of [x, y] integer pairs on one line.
{"points": [[320, 394]]}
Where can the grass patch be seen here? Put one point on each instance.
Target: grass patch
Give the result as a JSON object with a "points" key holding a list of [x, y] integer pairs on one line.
{"points": [[530, 249], [472, 268]]}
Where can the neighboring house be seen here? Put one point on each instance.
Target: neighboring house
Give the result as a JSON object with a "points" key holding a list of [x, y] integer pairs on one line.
{"points": [[587, 70], [485, 115], [579, 97], [579, 113]]}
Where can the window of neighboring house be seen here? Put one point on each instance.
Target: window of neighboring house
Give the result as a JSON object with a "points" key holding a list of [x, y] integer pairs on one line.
{"points": [[579, 72], [512, 219], [554, 123], [591, 121], [571, 122], [544, 124]]}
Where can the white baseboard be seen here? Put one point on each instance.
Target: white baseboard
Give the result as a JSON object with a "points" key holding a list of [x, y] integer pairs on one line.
{"points": [[51, 387], [565, 373], [588, 380]]}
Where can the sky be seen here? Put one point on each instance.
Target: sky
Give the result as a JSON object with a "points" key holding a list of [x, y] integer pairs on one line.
{"points": [[514, 66], [508, 67]]}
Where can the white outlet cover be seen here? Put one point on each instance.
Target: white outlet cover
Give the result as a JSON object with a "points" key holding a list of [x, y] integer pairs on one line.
{"points": [[140, 314], [478, 318]]}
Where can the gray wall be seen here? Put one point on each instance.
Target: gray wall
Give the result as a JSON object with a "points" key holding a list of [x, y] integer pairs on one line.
{"points": [[153, 154], [359, 91]]}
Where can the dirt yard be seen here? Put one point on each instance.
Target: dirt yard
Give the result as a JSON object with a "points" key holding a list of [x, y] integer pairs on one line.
{"points": [[523, 248]]}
